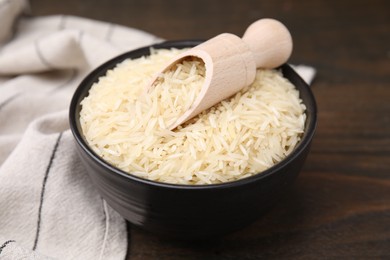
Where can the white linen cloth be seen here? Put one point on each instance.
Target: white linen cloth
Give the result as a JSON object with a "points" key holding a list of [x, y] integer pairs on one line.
{"points": [[48, 206]]}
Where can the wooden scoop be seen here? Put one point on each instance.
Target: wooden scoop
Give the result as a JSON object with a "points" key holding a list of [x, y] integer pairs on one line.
{"points": [[231, 62]]}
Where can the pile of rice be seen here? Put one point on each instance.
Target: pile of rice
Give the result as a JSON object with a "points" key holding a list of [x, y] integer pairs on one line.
{"points": [[239, 137]]}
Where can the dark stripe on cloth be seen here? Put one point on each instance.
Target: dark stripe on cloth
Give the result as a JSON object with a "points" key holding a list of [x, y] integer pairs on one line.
{"points": [[9, 100], [80, 37], [62, 23], [41, 57], [106, 228], [110, 31], [5, 244], [43, 189]]}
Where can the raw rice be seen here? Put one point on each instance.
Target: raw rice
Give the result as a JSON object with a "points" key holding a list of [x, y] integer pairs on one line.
{"points": [[239, 137]]}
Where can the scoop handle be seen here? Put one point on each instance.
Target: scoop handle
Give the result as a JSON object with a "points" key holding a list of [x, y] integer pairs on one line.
{"points": [[270, 42]]}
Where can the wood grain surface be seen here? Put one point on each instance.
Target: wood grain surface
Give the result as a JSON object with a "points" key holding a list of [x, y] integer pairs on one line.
{"points": [[340, 205]]}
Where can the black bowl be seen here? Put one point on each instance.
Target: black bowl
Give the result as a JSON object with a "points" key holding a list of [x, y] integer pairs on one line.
{"points": [[190, 211]]}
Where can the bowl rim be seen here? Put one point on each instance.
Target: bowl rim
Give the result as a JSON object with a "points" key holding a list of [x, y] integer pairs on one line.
{"points": [[86, 83]]}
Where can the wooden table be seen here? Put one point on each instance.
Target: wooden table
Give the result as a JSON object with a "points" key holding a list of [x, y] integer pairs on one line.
{"points": [[340, 204]]}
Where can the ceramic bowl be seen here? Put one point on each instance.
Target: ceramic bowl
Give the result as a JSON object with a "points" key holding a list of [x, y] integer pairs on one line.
{"points": [[189, 211]]}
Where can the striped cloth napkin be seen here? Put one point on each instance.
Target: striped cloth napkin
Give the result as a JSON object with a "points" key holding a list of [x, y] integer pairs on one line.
{"points": [[48, 206]]}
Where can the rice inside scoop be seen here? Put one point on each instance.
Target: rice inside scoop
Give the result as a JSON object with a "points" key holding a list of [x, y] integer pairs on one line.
{"points": [[239, 137]]}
